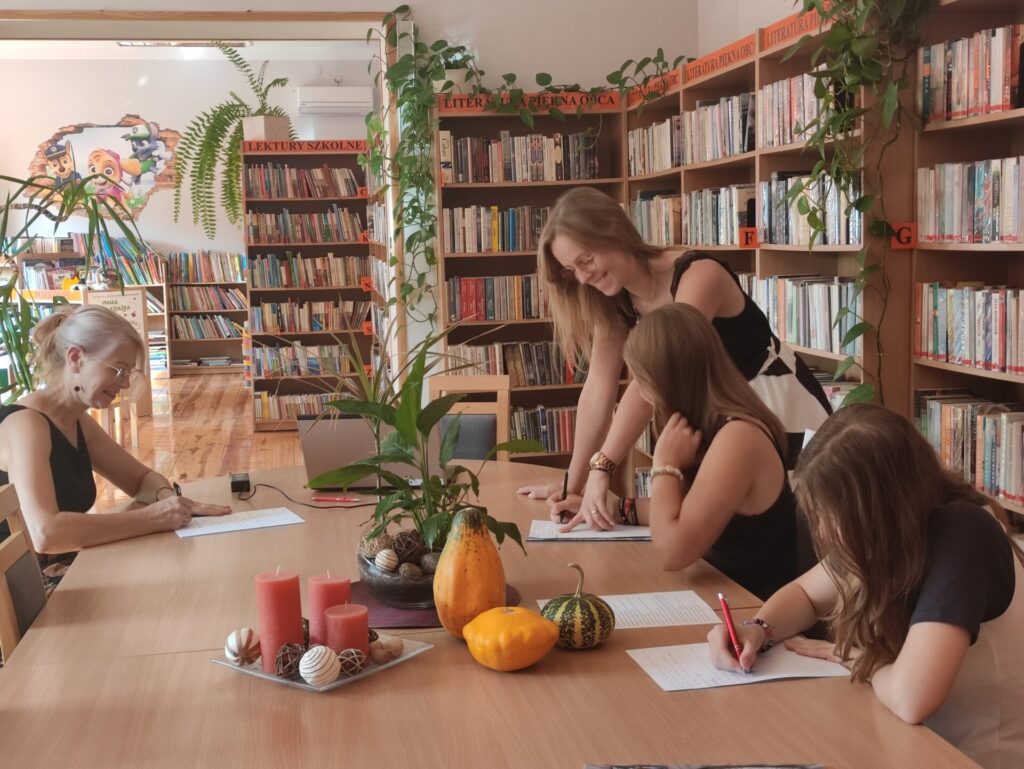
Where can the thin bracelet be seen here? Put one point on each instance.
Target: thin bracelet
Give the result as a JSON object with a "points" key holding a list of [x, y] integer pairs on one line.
{"points": [[769, 632], [175, 491]]}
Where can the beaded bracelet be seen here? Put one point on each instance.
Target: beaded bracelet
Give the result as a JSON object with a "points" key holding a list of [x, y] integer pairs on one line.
{"points": [[627, 511], [769, 632]]}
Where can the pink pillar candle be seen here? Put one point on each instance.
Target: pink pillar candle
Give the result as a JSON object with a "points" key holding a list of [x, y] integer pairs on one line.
{"points": [[324, 591], [347, 627], [279, 605]]}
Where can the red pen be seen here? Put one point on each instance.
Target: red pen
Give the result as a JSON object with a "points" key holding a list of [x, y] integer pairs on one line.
{"points": [[727, 615], [330, 498]]}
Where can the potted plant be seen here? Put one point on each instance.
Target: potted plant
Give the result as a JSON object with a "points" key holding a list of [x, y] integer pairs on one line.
{"points": [[215, 137], [396, 560], [57, 201]]}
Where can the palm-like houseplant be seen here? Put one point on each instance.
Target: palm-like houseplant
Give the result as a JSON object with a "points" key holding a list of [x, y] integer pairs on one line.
{"points": [[213, 140], [43, 198]]}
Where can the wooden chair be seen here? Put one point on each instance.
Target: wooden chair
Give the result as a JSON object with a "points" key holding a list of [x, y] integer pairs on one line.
{"points": [[22, 594], [471, 441]]}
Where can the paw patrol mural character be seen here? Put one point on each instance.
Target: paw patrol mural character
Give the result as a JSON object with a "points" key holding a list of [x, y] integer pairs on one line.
{"points": [[107, 164], [60, 164], [146, 153]]}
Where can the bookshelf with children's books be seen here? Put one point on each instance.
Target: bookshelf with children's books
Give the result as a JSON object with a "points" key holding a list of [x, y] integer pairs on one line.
{"points": [[968, 265], [498, 179], [310, 280], [206, 311]]}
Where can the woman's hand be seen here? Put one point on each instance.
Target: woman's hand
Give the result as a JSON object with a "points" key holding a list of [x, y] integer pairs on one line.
{"points": [[678, 444], [540, 490], [593, 509], [822, 650], [562, 510], [175, 512], [723, 655]]}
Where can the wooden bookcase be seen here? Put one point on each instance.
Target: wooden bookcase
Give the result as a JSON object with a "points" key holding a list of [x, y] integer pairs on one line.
{"points": [[305, 156], [179, 348], [999, 264]]}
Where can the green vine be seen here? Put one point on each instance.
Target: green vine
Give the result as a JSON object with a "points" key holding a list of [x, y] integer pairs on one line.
{"points": [[213, 138], [409, 165], [866, 47]]}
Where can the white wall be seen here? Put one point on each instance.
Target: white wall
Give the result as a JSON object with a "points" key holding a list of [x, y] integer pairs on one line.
{"points": [[719, 22]]}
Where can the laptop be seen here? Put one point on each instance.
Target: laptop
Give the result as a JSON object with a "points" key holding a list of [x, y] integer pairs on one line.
{"points": [[332, 441]]}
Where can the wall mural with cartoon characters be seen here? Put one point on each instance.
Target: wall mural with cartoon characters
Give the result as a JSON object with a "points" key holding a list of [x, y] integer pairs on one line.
{"points": [[132, 159]]}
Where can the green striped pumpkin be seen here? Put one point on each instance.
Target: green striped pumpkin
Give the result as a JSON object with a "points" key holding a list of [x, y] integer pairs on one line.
{"points": [[584, 620]]}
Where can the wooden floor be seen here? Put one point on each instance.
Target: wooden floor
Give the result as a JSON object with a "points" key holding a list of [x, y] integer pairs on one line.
{"points": [[201, 427]]}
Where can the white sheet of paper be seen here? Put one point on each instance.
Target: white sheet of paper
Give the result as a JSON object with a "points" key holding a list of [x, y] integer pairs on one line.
{"points": [[548, 530], [241, 521], [681, 668], [666, 609]]}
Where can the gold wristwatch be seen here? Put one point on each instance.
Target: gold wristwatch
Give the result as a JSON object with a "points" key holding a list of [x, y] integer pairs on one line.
{"points": [[601, 462]]}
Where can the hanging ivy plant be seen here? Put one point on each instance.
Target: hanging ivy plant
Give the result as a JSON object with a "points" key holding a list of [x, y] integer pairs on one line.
{"points": [[863, 64]]}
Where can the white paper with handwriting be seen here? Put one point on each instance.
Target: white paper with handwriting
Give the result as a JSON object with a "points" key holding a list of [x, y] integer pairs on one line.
{"points": [[664, 609], [549, 530], [245, 520]]}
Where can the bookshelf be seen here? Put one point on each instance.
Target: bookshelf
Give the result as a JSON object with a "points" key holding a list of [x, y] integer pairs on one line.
{"points": [[310, 279], [206, 311], [969, 259], [497, 180]]}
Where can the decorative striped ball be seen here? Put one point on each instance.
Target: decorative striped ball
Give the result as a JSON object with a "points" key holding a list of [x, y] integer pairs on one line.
{"points": [[386, 560], [242, 647], [319, 666], [353, 661]]}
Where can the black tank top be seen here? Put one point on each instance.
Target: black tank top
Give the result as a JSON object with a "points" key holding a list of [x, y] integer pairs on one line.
{"points": [[760, 551]]}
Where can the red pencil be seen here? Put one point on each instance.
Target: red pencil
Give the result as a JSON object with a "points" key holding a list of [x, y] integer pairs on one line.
{"points": [[331, 498], [736, 645]]}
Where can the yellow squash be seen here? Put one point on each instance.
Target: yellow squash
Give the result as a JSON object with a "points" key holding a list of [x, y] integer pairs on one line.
{"points": [[510, 638], [469, 578]]}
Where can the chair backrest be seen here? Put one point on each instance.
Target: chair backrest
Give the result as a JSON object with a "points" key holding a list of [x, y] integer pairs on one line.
{"points": [[477, 433], [22, 594]]}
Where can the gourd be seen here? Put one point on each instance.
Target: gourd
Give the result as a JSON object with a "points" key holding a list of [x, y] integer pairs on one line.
{"points": [[469, 578], [584, 620], [510, 638]]}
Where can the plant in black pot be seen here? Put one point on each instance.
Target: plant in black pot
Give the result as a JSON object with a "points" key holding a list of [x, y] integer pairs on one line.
{"points": [[415, 510]]}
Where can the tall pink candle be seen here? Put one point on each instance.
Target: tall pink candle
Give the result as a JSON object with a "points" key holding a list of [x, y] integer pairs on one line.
{"points": [[347, 627], [279, 606], [324, 591]]}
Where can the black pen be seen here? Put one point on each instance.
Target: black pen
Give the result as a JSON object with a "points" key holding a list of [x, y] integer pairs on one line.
{"points": [[176, 488], [565, 493]]}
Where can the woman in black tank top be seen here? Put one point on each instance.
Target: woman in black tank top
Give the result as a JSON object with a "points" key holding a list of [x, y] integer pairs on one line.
{"points": [[719, 487], [49, 446]]}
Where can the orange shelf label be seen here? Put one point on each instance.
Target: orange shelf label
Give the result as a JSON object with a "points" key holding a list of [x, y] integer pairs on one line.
{"points": [[742, 49], [662, 84], [367, 328], [607, 101], [366, 283], [364, 237], [790, 29], [316, 145], [905, 236], [364, 192], [747, 237], [368, 368]]}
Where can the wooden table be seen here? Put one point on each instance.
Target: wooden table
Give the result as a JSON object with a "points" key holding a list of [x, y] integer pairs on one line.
{"points": [[115, 672]]}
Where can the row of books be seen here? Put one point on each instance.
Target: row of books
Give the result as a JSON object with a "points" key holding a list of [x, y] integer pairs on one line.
{"points": [[977, 438], [207, 298], [379, 320], [970, 324], [529, 158], [206, 267], [717, 129], [658, 217], [205, 361], [273, 408], [203, 327], [501, 297], [136, 267], [782, 222], [713, 216], [377, 223], [293, 360], [50, 273], [972, 76], [276, 180], [553, 426], [72, 243], [975, 202], [786, 107], [297, 271], [528, 364], [332, 226], [802, 309], [380, 273], [294, 317], [657, 147], [475, 229]]}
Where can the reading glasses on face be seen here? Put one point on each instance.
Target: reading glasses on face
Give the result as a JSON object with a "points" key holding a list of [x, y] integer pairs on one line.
{"points": [[580, 264]]}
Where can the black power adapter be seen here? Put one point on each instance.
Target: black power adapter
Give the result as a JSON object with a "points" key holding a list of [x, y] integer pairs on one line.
{"points": [[240, 483]]}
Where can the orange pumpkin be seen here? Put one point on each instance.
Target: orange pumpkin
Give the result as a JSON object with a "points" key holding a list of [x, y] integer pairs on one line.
{"points": [[469, 578], [510, 638]]}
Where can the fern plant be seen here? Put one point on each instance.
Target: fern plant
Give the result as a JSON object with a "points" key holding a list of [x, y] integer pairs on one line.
{"points": [[214, 139]]}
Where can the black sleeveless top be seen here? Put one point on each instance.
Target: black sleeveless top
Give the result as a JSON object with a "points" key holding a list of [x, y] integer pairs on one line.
{"points": [[760, 551], [73, 484]]}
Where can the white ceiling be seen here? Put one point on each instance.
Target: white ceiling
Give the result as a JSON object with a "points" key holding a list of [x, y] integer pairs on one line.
{"points": [[261, 50]]}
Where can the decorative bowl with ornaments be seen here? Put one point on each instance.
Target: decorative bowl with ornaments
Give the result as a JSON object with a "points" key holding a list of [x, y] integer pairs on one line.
{"points": [[318, 668], [398, 569]]}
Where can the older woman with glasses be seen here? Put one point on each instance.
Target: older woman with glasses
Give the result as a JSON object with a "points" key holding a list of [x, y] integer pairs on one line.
{"points": [[49, 446]]}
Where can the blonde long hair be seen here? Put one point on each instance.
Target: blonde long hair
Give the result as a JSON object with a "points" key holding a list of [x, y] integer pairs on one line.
{"points": [[868, 483], [92, 327], [597, 222], [677, 355]]}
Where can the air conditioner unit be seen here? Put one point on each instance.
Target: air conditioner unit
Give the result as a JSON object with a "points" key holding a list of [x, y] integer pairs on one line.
{"points": [[334, 100]]}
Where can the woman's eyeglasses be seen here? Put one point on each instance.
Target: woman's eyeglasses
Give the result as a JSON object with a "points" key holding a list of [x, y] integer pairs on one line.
{"points": [[582, 263]]}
